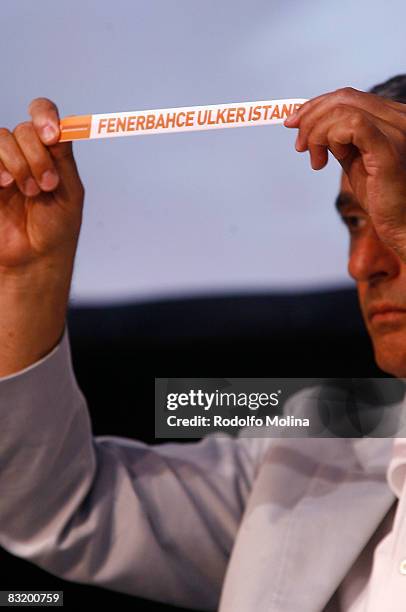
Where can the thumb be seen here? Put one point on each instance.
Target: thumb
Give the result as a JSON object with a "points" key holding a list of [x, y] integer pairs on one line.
{"points": [[45, 118]]}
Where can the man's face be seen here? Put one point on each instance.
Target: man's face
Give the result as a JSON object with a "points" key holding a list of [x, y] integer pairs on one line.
{"points": [[381, 282]]}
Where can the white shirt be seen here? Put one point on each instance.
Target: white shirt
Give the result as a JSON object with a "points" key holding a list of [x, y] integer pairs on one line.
{"points": [[377, 580]]}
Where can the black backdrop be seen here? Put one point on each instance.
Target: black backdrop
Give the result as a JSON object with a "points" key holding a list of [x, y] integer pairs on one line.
{"points": [[302, 335]]}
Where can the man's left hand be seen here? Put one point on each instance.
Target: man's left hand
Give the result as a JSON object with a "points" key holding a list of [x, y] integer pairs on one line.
{"points": [[367, 135]]}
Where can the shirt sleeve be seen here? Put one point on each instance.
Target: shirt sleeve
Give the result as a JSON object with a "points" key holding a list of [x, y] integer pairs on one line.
{"points": [[157, 521]]}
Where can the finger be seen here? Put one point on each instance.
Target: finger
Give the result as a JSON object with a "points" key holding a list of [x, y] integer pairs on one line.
{"points": [[294, 119], [45, 118], [37, 156], [343, 95], [343, 153], [321, 139], [309, 113], [345, 129], [320, 107], [365, 134], [372, 154], [6, 179], [393, 113], [318, 156], [15, 163], [70, 183]]}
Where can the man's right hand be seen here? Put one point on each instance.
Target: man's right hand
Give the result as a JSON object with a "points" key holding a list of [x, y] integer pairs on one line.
{"points": [[41, 202], [41, 195]]}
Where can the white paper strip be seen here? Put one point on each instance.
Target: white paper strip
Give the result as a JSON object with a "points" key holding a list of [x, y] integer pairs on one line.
{"points": [[183, 119]]}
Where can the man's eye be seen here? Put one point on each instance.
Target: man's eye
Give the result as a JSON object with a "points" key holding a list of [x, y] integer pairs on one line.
{"points": [[354, 222]]}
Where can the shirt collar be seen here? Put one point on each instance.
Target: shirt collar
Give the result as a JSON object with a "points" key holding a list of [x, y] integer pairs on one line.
{"points": [[396, 473]]}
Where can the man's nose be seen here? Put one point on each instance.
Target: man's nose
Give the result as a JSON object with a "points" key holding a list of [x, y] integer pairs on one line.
{"points": [[370, 259]]}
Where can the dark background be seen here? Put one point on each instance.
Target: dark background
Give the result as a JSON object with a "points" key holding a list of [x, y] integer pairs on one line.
{"points": [[317, 334]]}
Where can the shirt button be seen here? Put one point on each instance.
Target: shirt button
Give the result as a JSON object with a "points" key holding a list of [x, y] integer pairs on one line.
{"points": [[402, 567]]}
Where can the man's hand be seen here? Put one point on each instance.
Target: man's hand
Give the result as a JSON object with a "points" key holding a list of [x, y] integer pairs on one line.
{"points": [[41, 195], [367, 135], [41, 201]]}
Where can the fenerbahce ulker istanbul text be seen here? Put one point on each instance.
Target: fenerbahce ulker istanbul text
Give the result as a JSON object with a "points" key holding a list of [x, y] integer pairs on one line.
{"points": [[222, 400]]}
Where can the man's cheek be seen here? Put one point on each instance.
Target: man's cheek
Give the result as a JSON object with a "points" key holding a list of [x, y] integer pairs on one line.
{"points": [[362, 303]]}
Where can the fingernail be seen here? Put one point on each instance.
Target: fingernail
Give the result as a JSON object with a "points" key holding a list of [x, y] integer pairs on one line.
{"points": [[49, 180], [48, 132], [31, 188], [6, 179]]}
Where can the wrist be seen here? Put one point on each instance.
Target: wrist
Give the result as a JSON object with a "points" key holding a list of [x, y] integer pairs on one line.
{"points": [[33, 303]]}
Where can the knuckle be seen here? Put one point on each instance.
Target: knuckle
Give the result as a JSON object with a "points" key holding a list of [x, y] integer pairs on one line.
{"points": [[4, 133], [356, 119], [339, 111], [346, 94], [346, 91], [352, 116], [21, 170], [22, 128]]}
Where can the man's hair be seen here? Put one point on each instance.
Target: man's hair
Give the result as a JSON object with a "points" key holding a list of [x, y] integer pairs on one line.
{"points": [[394, 88]]}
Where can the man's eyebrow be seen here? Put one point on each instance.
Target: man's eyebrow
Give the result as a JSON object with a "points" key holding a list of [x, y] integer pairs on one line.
{"points": [[345, 199]]}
